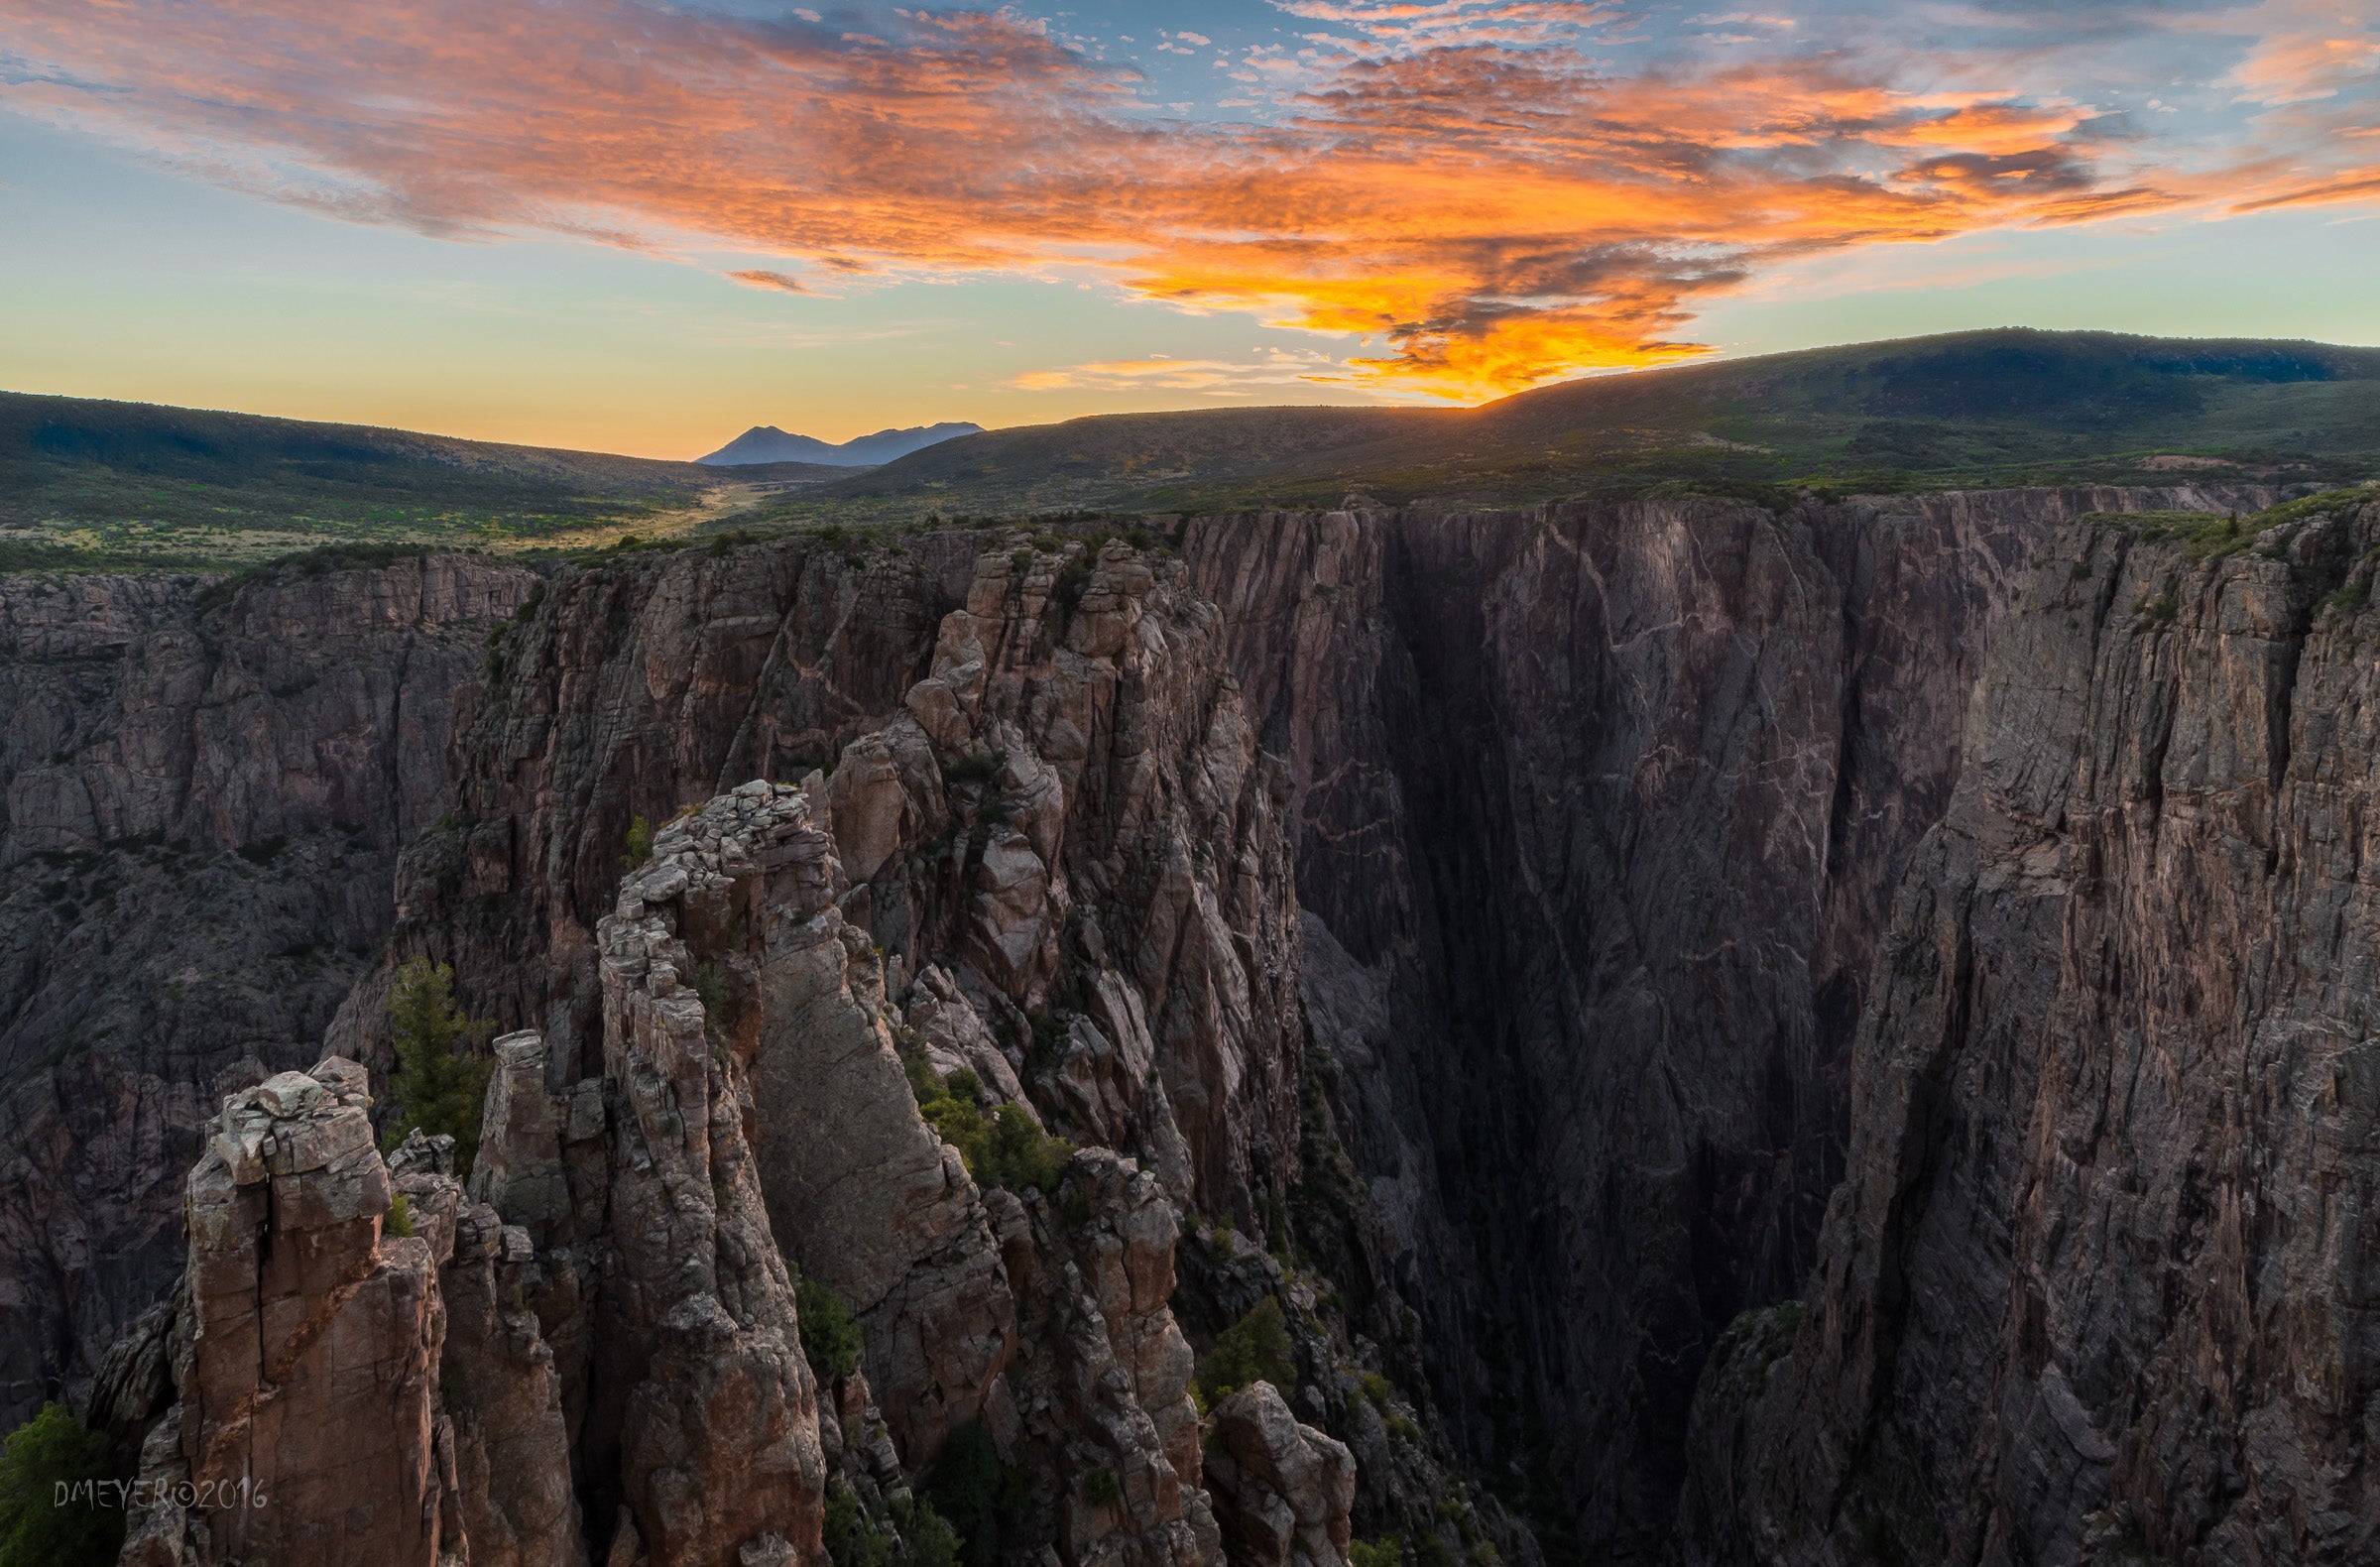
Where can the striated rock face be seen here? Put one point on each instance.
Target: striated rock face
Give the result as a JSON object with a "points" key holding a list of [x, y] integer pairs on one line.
{"points": [[718, 1430], [2093, 1287], [1113, 856], [1597, 817], [203, 792]]}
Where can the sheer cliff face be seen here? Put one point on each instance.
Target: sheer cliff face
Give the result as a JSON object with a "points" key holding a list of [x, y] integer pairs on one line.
{"points": [[1597, 818], [204, 795], [2096, 1285]]}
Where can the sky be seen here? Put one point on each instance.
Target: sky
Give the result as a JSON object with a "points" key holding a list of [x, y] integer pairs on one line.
{"points": [[632, 227]]}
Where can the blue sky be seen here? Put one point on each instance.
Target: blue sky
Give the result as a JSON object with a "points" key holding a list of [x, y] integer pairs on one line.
{"points": [[608, 224]]}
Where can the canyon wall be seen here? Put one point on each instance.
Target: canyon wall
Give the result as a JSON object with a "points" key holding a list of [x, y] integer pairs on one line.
{"points": [[205, 786], [1597, 816], [2098, 1285], [1452, 928]]}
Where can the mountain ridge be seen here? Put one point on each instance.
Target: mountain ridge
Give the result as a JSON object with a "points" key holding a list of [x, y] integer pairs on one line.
{"points": [[1963, 410], [767, 444]]}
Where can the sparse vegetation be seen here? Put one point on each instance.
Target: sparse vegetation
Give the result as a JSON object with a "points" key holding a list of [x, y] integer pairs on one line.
{"points": [[639, 844], [2351, 596], [1254, 1349], [829, 1336], [1100, 1487], [981, 1497], [852, 1537], [1386, 1551], [49, 1451], [441, 1068], [710, 982], [977, 767], [932, 1540], [399, 1220], [1002, 1148]]}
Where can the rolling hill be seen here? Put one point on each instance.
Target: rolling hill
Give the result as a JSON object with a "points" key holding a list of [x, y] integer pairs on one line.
{"points": [[1976, 407], [85, 482]]}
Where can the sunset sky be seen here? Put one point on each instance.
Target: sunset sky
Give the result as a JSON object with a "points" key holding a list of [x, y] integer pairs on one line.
{"points": [[641, 227]]}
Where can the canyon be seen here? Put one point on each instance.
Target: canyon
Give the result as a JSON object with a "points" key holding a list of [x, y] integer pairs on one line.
{"points": [[1820, 1032]]}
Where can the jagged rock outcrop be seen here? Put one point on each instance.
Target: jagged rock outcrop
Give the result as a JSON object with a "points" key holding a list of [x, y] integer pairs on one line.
{"points": [[202, 792], [730, 967], [1074, 812], [718, 1426], [308, 1420], [1282, 1491], [498, 1381], [1103, 1371], [2093, 1287]]}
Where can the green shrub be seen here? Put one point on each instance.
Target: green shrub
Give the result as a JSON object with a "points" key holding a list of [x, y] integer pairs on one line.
{"points": [[852, 1537], [829, 1336], [1386, 1551], [1100, 1487], [1253, 1349], [710, 982], [1049, 1032], [1021, 1155], [1277, 1228], [1003, 1149], [1379, 1390], [1431, 1550], [975, 766], [441, 1076], [401, 1215], [36, 1529], [932, 1541], [639, 843], [981, 1497]]}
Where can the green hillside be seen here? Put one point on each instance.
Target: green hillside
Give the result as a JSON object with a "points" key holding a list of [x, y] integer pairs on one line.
{"points": [[86, 484], [1974, 409]]}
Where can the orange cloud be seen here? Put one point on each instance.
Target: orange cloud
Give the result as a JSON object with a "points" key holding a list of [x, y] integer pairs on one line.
{"points": [[1492, 217], [764, 278], [1211, 376]]}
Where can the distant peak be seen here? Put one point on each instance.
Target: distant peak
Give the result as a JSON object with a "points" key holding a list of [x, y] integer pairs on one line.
{"points": [[767, 444]]}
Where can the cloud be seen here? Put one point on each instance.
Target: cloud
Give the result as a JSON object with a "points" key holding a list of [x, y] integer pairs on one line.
{"points": [[1212, 376], [1442, 23], [2305, 51], [762, 278], [1460, 181], [2355, 185]]}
